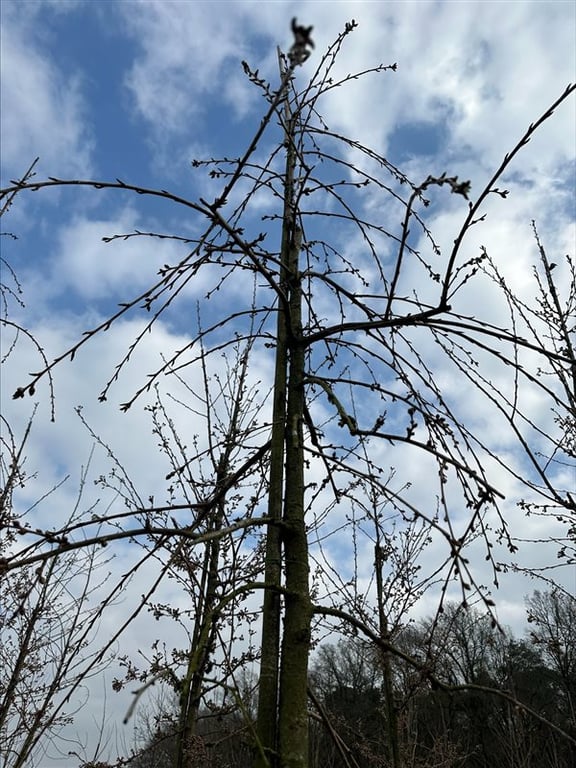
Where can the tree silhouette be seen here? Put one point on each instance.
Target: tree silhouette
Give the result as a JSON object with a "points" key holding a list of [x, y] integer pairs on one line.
{"points": [[356, 315]]}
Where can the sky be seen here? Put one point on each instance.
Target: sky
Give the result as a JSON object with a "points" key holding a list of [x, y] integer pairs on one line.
{"points": [[138, 90]]}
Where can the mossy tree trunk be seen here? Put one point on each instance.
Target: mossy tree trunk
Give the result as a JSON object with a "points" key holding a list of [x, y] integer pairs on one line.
{"points": [[293, 717], [267, 722], [282, 724]]}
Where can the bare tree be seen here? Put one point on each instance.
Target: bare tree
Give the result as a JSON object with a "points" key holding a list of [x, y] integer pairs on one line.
{"points": [[351, 334], [48, 622], [553, 619]]}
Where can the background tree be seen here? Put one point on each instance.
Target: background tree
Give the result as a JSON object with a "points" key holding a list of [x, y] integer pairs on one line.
{"points": [[553, 632]]}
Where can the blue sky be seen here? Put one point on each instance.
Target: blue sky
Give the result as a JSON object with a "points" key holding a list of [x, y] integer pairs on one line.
{"points": [[137, 90]]}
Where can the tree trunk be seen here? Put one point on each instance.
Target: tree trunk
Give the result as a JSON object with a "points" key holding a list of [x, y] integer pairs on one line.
{"points": [[293, 716], [267, 719], [390, 704], [200, 650]]}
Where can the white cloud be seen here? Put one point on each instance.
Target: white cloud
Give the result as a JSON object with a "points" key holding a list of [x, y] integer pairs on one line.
{"points": [[43, 110], [487, 69], [94, 269], [185, 51]]}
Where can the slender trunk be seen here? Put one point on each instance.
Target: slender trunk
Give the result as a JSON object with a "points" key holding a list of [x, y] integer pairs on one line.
{"points": [[201, 649], [391, 711], [267, 718], [207, 614], [293, 715]]}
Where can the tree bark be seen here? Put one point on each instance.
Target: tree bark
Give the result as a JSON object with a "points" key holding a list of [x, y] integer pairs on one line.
{"points": [[293, 715], [266, 755]]}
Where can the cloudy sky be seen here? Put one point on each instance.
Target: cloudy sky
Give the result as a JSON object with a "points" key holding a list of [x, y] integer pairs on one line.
{"points": [[137, 90]]}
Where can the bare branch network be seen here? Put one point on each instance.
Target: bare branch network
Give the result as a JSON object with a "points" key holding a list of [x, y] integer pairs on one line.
{"points": [[361, 318]]}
